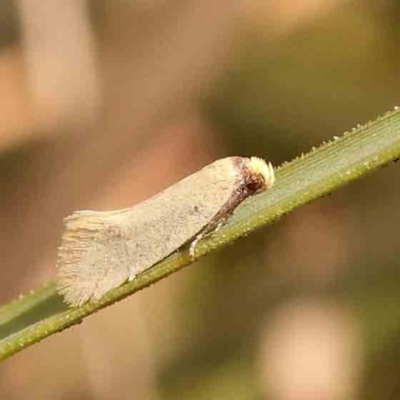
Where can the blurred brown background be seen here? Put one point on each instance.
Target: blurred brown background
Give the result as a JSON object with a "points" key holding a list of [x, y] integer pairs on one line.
{"points": [[105, 103]]}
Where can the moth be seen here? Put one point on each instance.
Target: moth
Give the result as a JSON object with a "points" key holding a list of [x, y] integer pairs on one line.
{"points": [[100, 250]]}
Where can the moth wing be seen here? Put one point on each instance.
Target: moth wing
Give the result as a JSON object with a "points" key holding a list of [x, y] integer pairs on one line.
{"points": [[101, 250]]}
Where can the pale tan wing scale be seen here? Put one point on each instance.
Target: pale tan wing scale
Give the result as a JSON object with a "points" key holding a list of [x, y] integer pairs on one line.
{"points": [[102, 250]]}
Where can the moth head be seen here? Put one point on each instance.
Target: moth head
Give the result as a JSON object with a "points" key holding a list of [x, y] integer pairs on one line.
{"points": [[259, 175]]}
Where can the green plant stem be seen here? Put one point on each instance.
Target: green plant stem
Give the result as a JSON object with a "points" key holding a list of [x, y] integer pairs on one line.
{"points": [[323, 170]]}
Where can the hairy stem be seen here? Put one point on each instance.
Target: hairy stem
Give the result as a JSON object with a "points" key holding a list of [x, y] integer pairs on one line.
{"points": [[325, 169]]}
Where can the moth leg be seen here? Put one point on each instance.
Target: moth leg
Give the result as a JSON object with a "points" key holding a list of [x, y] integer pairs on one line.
{"points": [[194, 244], [200, 236], [219, 226]]}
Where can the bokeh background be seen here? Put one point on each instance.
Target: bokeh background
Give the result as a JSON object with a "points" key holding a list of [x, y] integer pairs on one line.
{"points": [[104, 103]]}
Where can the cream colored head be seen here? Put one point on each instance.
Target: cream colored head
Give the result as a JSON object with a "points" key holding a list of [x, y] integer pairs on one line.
{"points": [[264, 170]]}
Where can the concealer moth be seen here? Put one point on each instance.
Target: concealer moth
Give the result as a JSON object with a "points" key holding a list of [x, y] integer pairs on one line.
{"points": [[100, 250]]}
